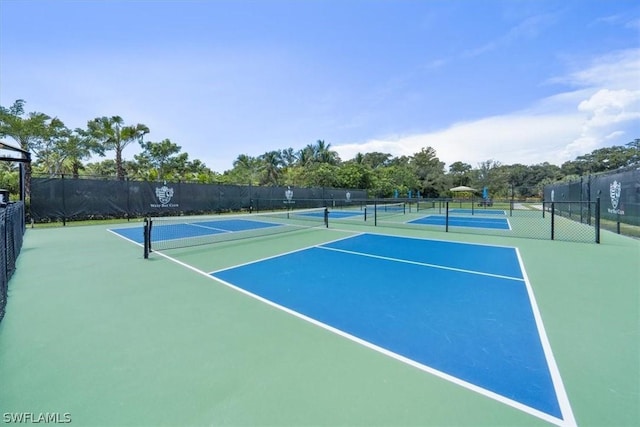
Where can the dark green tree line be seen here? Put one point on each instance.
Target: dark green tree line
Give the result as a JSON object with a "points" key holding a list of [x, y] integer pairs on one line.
{"points": [[59, 150]]}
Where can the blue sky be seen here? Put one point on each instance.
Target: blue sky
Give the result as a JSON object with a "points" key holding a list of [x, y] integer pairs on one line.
{"points": [[511, 81]]}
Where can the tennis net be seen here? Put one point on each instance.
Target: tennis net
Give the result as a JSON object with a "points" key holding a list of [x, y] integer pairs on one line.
{"points": [[178, 232], [378, 210]]}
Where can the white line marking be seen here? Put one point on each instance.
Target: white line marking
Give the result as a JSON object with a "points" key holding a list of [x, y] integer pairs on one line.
{"points": [[126, 238], [282, 254], [423, 264], [561, 393], [223, 230]]}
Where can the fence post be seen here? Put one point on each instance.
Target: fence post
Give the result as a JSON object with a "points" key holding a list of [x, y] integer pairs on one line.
{"points": [[597, 224], [553, 217], [64, 204]]}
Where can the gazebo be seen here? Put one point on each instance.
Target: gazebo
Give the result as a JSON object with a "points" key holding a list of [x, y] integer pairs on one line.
{"points": [[464, 189]]}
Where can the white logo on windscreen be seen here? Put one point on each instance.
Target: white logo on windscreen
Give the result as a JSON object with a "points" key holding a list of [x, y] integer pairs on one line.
{"points": [[348, 196], [164, 195], [289, 195], [615, 190]]}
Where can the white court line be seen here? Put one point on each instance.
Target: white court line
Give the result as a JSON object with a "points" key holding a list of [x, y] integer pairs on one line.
{"points": [[123, 237], [558, 385], [423, 264], [206, 227], [282, 254]]}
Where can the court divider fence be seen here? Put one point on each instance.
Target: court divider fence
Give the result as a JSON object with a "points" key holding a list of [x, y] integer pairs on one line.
{"points": [[567, 221], [12, 228], [67, 199]]}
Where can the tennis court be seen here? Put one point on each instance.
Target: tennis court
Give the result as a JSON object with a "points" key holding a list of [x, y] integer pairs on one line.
{"points": [[464, 221], [462, 312], [287, 320]]}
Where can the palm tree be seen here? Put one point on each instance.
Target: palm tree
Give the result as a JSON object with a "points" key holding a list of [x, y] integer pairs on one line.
{"points": [[246, 167], [272, 163], [33, 133], [289, 157], [113, 135], [323, 154], [307, 155]]}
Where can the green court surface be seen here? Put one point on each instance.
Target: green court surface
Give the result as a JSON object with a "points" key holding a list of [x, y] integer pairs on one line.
{"points": [[97, 333]]}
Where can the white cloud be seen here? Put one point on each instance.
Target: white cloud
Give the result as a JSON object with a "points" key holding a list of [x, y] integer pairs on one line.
{"points": [[527, 139], [617, 70], [603, 112]]}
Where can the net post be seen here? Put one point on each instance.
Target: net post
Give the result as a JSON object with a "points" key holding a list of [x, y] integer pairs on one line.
{"points": [[148, 223], [446, 218], [326, 217], [145, 233], [375, 213]]}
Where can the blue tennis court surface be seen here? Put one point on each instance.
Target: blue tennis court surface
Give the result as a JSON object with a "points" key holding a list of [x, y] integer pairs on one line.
{"points": [[461, 311], [464, 221]]}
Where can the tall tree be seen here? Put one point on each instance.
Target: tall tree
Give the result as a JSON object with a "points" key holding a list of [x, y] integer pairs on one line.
{"points": [[354, 175], [246, 170], [307, 155], [161, 156], [32, 132], [114, 135], [324, 154], [79, 146], [376, 159], [430, 172], [460, 173], [106, 167], [289, 157], [272, 166]]}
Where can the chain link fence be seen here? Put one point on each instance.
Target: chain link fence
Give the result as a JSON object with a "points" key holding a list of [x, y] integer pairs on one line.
{"points": [[576, 222], [619, 192], [12, 228]]}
